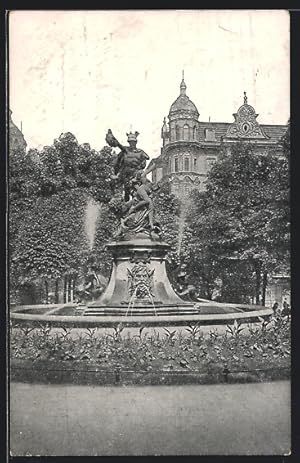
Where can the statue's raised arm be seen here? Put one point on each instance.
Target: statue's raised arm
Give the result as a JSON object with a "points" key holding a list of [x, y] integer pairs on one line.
{"points": [[112, 141]]}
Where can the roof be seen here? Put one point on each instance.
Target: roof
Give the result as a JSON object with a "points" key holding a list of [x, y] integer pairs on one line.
{"points": [[245, 124], [220, 129], [275, 132], [183, 103]]}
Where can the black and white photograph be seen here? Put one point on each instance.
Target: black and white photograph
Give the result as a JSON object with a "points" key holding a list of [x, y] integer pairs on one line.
{"points": [[148, 179]]}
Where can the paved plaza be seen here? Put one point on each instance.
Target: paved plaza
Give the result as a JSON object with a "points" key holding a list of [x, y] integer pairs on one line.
{"points": [[156, 420]]}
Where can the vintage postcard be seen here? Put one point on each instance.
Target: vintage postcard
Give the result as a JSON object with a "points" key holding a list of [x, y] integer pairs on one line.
{"points": [[149, 232]]}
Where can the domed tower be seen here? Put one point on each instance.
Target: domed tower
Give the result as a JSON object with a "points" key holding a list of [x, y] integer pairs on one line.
{"points": [[16, 138], [181, 145], [183, 117]]}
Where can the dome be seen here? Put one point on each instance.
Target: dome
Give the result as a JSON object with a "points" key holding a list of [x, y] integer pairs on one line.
{"points": [[183, 103], [16, 137]]}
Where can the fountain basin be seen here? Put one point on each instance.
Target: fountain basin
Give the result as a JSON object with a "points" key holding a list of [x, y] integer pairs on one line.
{"points": [[139, 293], [72, 316]]}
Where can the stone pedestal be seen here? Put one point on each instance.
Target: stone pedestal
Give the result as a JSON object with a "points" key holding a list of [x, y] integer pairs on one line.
{"points": [[139, 283]]}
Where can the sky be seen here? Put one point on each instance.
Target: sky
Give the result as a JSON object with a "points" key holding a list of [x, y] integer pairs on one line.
{"points": [[87, 71]]}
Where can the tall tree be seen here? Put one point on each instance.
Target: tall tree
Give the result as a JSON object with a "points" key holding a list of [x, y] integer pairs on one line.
{"points": [[23, 178], [68, 165], [49, 191], [168, 213], [244, 212], [106, 226], [51, 242]]}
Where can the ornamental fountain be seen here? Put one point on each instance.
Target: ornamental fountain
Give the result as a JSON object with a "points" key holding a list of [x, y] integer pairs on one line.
{"points": [[139, 292], [139, 284]]}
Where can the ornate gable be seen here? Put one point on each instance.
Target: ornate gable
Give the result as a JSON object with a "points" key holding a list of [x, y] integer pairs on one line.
{"points": [[245, 124]]}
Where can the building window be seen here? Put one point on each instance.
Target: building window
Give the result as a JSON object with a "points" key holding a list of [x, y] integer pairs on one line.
{"points": [[195, 163], [186, 132], [186, 164], [177, 132], [159, 174], [195, 132], [154, 176], [176, 164], [210, 135]]}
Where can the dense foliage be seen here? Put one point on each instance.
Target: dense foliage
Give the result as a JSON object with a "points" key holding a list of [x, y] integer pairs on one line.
{"points": [[239, 226], [51, 238], [106, 226], [168, 214], [49, 191]]}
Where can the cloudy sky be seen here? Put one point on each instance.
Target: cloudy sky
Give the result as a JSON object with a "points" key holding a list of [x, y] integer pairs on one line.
{"points": [[87, 71]]}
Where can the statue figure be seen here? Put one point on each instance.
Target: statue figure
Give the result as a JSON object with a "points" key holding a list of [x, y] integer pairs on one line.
{"points": [[140, 211], [91, 288], [185, 290], [130, 171], [130, 160]]}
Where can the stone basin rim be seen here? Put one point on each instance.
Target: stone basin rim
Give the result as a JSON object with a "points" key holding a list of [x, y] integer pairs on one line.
{"points": [[150, 320], [139, 244]]}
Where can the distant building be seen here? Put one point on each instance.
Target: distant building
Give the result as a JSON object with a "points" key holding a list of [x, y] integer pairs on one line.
{"points": [[16, 138], [191, 147]]}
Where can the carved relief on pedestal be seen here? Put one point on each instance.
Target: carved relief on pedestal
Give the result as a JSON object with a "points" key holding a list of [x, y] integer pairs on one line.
{"points": [[140, 278], [140, 282]]}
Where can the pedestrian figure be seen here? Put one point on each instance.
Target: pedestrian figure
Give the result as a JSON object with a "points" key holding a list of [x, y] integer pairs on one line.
{"points": [[275, 308], [286, 309]]}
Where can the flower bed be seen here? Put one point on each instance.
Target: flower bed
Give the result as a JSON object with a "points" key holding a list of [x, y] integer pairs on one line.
{"points": [[255, 352]]}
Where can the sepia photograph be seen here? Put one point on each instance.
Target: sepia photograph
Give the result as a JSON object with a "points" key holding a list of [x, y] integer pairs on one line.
{"points": [[149, 303]]}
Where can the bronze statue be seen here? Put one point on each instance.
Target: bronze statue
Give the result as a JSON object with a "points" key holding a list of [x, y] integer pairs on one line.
{"points": [[91, 288], [130, 171], [129, 162], [139, 217]]}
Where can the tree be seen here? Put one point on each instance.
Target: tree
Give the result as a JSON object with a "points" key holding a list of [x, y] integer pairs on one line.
{"points": [[23, 175], [51, 241], [49, 191], [107, 224], [168, 213], [244, 213], [68, 165]]}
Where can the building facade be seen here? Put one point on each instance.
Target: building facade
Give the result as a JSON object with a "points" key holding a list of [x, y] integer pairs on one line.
{"points": [[190, 147]]}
